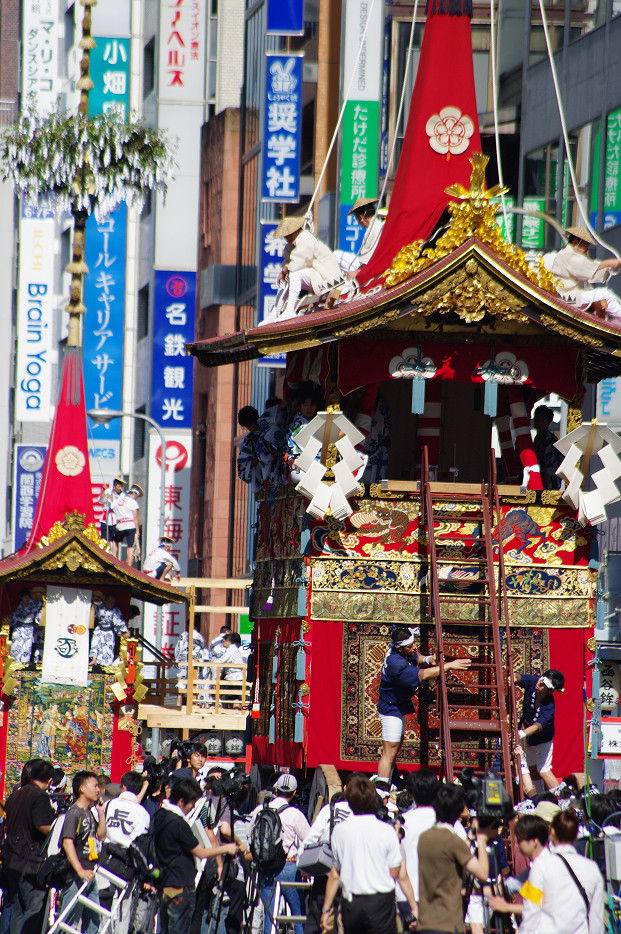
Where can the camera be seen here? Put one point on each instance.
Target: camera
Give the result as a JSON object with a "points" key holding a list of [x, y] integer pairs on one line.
{"points": [[155, 772], [491, 800], [233, 786]]}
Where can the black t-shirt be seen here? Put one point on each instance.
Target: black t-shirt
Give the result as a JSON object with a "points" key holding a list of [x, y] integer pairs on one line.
{"points": [[80, 826], [174, 842], [26, 809]]}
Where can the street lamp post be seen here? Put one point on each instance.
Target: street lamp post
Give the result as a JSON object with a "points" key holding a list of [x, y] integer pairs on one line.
{"points": [[103, 417]]}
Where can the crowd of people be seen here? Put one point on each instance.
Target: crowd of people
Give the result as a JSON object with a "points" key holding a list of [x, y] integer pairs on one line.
{"points": [[183, 840]]}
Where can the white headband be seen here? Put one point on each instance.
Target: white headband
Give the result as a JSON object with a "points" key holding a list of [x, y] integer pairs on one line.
{"points": [[404, 642], [548, 683]]}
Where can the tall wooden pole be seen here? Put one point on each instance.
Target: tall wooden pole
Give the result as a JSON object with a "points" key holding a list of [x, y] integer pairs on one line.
{"points": [[77, 267]]}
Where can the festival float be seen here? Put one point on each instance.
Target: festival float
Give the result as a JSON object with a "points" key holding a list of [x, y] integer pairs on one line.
{"points": [[455, 334], [57, 706]]}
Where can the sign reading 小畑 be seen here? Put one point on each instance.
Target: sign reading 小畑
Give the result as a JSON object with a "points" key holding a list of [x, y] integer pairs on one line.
{"points": [[110, 73], [282, 128]]}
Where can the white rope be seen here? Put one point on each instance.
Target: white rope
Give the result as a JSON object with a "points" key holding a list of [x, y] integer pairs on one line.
{"points": [[308, 215], [568, 156], [401, 102], [494, 63]]}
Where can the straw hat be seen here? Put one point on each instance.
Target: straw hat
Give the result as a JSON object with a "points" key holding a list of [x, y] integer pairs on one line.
{"points": [[547, 810], [120, 480], [136, 488], [166, 540], [288, 226], [361, 203], [581, 233]]}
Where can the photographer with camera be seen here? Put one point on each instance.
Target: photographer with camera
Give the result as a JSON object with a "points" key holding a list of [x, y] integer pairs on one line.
{"points": [[442, 858], [402, 672], [176, 847]]}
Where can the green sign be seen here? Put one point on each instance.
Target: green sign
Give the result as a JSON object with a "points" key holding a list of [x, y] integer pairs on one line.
{"points": [[508, 229], [110, 74], [533, 228], [612, 183], [360, 150]]}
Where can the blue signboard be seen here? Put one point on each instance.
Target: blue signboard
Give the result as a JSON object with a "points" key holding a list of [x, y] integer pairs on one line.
{"points": [[283, 128], [285, 17], [350, 231], [29, 461], [104, 297], [272, 251], [174, 303]]}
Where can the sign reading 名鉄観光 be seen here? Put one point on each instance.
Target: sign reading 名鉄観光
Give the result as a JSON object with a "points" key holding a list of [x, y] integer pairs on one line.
{"points": [[283, 127], [172, 370], [28, 474], [360, 134]]}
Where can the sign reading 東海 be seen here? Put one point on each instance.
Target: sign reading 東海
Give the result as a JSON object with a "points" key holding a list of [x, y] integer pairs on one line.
{"points": [[360, 134], [177, 527], [282, 128], [172, 370]]}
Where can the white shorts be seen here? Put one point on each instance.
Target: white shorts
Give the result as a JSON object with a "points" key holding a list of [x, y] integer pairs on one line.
{"points": [[540, 756], [474, 915], [392, 728]]}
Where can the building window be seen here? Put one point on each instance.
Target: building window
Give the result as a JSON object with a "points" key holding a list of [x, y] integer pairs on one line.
{"points": [[147, 205], [148, 68], [140, 434], [142, 324]]}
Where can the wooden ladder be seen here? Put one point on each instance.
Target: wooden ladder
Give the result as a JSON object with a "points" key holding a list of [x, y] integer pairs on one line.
{"points": [[476, 707]]}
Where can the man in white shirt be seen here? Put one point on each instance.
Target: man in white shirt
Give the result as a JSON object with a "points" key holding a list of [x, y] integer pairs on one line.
{"points": [[295, 829], [321, 832], [582, 278], [364, 210], [160, 563], [125, 509], [108, 521], [564, 892], [422, 785], [367, 860]]}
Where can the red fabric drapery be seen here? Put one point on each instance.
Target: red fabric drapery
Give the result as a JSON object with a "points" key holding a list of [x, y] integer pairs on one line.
{"points": [[66, 484], [442, 132]]}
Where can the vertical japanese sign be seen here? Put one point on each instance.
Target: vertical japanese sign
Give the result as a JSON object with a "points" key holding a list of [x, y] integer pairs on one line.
{"points": [[41, 59], [104, 297], [174, 304], [182, 50], [612, 178], [272, 252], [178, 517], [609, 402], [533, 228], [508, 228], [35, 316], [104, 287], [285, 17], [27, 476], [283, 127], [110, 74], [360, 134]]}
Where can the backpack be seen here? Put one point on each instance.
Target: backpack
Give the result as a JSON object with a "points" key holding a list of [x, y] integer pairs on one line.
{"points": [[143, 857], [265, 841]]}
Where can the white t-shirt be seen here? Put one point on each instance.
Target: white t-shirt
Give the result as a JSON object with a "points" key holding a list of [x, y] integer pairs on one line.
{"points": [[415, 822], [125, 508], [159, 556], [320, 831], [126, 819], [364, 849], [231, 656], [295, 827], [552, 901]]}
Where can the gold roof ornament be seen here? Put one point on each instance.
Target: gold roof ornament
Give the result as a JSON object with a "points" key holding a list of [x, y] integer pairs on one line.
{"points": [[472, 215], [73, 522]]}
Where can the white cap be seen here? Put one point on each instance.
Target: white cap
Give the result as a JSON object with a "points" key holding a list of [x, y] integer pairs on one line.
{"points": [[286, 782]]}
